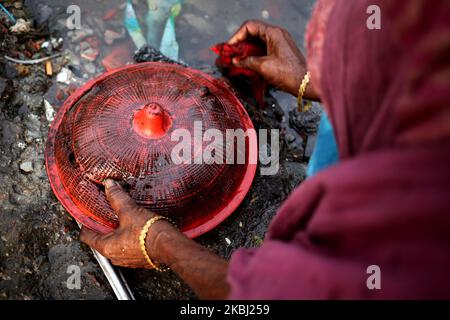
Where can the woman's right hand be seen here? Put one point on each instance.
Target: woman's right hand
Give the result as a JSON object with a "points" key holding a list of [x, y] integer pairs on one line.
{"points": [[284, 66]]}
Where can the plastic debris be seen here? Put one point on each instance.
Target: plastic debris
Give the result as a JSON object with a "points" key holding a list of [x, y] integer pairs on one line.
{"points": [[10, 16], [33, 61], [158, 11], [21, 26], [169, 45], [132, 25], [49, 111]]}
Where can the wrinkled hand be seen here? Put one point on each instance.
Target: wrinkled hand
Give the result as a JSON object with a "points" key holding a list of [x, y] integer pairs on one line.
{"points": [[284, 66], [122, 245]]}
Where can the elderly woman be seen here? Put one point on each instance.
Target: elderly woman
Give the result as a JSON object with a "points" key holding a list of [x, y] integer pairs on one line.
{"points": [[384, 204]]}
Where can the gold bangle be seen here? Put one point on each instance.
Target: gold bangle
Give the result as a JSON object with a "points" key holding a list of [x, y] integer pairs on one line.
{"points": [[142, 237], [302, 106]]}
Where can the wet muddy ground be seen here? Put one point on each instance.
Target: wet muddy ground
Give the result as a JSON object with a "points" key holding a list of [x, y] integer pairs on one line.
{"points": [[38, 239]]}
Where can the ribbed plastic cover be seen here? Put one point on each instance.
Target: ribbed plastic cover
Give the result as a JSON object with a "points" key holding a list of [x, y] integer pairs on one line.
{"points": [[120, 125]]}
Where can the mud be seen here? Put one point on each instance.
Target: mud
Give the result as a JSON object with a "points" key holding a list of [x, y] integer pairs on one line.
{"points": [[39, 240]]}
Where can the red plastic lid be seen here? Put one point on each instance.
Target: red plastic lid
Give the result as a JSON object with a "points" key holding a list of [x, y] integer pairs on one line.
{"points": [[120, 126]]}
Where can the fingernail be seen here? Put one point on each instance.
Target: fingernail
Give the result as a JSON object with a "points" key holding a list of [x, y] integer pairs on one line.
{"points": [[109, 183]]}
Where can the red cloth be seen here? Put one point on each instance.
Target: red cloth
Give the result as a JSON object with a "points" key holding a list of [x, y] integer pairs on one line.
{"points": [[386, 203], [242, 50]]}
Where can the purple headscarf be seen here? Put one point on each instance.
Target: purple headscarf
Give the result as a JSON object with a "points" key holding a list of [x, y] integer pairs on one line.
{"points": [[387, 202]]}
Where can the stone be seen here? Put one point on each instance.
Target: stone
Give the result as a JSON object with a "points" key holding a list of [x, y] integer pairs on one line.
{"points": [[80, 34], [90, 68], [111, 36], [64, 76], [26, 166]]}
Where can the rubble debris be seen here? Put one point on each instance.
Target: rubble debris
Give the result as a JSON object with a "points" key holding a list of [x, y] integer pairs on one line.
{"points": [[90, 49], [64, 76], [21, 26], [90, 67], [110, 36], [26, 166], [90, 54], [119, 56], [57, 42], [80, 34], [52, 44]]}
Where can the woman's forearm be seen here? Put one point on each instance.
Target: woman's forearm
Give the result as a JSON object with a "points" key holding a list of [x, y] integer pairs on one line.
{"points": [[204, 271]]}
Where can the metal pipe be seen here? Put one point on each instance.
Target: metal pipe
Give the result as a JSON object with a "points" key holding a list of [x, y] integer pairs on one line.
{"points": [[115, 278]]}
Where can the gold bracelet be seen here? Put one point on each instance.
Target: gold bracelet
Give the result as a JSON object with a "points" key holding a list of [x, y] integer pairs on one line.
{"points": [[302, 106], [142, 237]]}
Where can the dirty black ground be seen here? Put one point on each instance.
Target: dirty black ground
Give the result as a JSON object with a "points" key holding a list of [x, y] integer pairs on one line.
{"points": [[38, 239]]}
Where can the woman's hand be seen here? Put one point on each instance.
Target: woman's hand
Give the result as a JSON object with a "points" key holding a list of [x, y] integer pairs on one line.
{"points": [[284, 66], [122, 246], [203, 270]]}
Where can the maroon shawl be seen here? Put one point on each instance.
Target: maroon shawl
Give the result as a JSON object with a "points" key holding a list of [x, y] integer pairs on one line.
{"points": [[387, 203]]}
